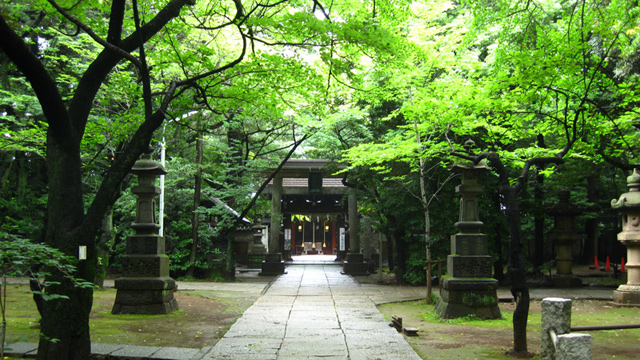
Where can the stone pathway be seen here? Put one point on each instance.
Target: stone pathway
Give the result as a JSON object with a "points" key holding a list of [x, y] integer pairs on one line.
{"points": [[313, 311]]}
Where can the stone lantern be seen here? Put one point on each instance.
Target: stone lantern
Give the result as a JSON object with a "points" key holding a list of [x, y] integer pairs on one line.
{"points": [[145, 287], [563, 237], [629, 204], [469, 288]]}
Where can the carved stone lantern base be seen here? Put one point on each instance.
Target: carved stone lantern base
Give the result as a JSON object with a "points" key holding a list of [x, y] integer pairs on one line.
{"points": [[150, 296], [355, 265], [463, 297], [272, 264], [627, 295]]}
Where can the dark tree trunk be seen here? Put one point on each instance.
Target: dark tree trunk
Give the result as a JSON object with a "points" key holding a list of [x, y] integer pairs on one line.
{"points": [[591, 225], [517, 271], [538, 255], [498, 265], [65, 325], [390, 251], [401, 257], [230, 266], [103, 248], [234, 141]]}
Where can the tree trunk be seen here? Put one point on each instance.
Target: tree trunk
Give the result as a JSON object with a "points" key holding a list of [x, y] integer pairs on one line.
{"points": [[230, 266], [591, 225], [401, 258], [427, 239], [196, 203], [65, 322], [538, 255], [103, 247], [390, 251], [498, 265], [516, 271]]}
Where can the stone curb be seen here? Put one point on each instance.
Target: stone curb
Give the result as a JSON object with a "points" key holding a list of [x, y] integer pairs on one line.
{"points": [[116, 351]]}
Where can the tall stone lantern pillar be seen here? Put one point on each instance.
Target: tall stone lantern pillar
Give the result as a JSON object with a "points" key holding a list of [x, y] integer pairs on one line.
{"points": [[354, 264], [468, 288], [629, 205], [564, 236], [145, 287]]}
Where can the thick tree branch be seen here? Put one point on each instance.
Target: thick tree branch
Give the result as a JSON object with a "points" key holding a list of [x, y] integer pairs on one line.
{"points": [[219, 69], [144, 69], [41, 82], [94, 76], [121, 166], [107, 45], [496, 162], [115, 21]]}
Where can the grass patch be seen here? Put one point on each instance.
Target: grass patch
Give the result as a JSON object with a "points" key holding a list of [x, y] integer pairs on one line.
{"points": [[202, 320]]}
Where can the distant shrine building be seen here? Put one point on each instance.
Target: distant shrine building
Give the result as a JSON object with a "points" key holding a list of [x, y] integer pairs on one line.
{"points": [[310, 210]]}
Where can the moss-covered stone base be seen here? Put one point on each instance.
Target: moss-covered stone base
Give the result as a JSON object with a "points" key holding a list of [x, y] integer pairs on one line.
{"points": [[469, 297]]}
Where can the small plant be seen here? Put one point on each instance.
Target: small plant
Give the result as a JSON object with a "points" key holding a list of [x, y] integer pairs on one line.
{"points": [[19, 257]]}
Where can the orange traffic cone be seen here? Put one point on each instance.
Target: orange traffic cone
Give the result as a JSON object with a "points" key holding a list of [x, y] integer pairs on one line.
{"points": [[622, 266], [595, 263], [607, 266]]}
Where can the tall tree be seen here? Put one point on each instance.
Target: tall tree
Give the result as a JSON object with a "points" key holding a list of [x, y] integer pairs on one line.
{"points": [[547, 74], [173, 62]]}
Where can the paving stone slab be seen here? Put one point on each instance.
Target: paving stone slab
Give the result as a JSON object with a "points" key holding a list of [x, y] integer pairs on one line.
{"points": [[319, 334], [241, 352], [105, 349], [175, 353], [19, 348], [310, 353], [202, 353], [266, 332], [242, 356], [132, 351]]}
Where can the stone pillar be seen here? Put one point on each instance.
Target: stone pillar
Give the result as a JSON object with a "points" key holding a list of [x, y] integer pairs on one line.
{"points": [[629, 204], [564, 236], [145, 287], [468, 288], [556, 315], [354, 264], [354, 223], [276, 214], [273, 264]]}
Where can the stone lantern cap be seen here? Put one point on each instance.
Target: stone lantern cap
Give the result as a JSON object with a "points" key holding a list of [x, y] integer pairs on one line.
{"points": [[146, 166], [629, 199], [564, 207], [459, 167]]}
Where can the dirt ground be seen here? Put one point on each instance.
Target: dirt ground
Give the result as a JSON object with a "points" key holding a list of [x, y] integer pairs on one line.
{"points": [[493, 339]]}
